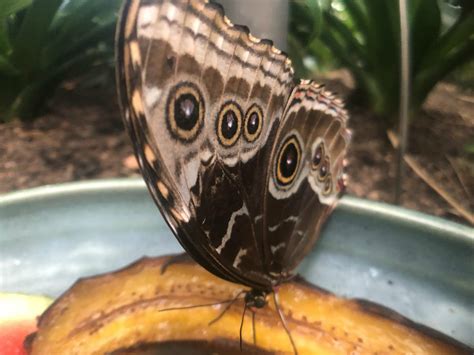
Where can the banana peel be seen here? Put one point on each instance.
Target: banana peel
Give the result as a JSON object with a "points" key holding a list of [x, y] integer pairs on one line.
{"points": [[140, 310]]}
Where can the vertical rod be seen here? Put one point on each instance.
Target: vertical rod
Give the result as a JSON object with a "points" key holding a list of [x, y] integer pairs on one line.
{"points": [[405, 86], [265, 18]]}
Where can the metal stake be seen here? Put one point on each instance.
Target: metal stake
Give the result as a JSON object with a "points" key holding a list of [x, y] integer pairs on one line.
{"points": [[405, 88]]}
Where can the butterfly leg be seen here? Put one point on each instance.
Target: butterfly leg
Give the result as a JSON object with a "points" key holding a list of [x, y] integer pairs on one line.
{"points": [[283, 321], [229, 304], [242, 326], [253, 328]]}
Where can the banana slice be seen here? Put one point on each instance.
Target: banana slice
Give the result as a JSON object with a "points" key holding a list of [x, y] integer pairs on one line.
{"points": [[139, 310]]}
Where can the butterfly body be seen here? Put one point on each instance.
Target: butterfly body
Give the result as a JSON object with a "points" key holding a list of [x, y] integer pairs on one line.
{"points": [[244, 162]]}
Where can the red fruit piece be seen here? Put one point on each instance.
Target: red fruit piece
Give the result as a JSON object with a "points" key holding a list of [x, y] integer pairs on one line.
{"points": [[18, 319]]}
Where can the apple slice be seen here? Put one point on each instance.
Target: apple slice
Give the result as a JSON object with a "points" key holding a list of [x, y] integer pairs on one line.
{"points": [[18, 313]]}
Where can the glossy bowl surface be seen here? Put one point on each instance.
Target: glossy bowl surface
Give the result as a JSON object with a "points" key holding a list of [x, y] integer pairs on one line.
{"points": [[418, 265]]}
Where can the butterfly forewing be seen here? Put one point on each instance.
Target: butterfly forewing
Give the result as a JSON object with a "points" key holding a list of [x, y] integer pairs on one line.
{"points": [[159, 179]]}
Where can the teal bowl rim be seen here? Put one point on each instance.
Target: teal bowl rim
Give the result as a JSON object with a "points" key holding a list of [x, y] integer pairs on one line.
{"points": [[347, 203]]}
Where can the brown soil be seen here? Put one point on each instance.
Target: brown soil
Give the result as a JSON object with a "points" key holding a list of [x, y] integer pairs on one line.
{"points": [[82, 137]]}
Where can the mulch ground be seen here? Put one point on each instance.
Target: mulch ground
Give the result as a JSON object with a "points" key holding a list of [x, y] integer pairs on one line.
{"points": [[81, 137]]}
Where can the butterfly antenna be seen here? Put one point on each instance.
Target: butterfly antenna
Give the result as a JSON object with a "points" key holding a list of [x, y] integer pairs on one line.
{"points": [[194, 306], [242, 325], [283, 321], [229, 304], [253, 329]]}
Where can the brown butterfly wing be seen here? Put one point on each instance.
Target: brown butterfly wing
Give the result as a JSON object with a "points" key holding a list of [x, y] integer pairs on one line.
{"points": [[159, 181], [183, 71], [305, 176]]}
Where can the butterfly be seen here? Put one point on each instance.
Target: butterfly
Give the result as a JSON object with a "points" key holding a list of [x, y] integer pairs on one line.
{"points": [[244, 161]]}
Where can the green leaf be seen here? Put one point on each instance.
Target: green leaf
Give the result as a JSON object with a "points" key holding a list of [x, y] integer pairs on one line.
{"points": [[32, 96], [383, 43], [89, 23], [448, 51], [33, 34], [460, 32], [304, 23], [83, 15], [357, 12], [315, 12], [8, 7], [6, 68], [425, 27], [349, 41], [339, 51], [427, 78], [60, 51], [52, 40], [364, 36]]}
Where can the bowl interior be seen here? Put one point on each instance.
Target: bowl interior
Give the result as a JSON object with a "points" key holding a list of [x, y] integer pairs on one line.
{"points": [[418, 265]]}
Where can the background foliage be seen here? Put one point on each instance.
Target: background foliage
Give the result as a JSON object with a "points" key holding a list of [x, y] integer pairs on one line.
{"points": [[363, 36], [44, 42]]}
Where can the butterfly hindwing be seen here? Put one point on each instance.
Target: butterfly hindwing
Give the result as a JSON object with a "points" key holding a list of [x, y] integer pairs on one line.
{"points": [[305, 176]]}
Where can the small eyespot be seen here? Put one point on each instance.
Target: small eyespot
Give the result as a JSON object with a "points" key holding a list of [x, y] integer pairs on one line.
{"points": [[253, 123], [317, 156], [328, 185], [288, 161], [323, 170], [228, 124], [185, 112]]}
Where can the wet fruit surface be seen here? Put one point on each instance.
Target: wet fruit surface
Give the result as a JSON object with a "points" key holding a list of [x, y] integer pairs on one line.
{"points": [[120, 311]]}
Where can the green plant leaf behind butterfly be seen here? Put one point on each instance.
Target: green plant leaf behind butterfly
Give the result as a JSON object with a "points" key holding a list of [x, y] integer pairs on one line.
{"points": [[33, 34], [44, 42], [364, 37], [8, 7]]}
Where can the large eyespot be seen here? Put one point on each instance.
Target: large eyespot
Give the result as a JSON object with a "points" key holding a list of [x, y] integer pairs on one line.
{"points": [[253, 123], [185, 112], [324, 170], [318, 156], [288, 161], [228, 124]]}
